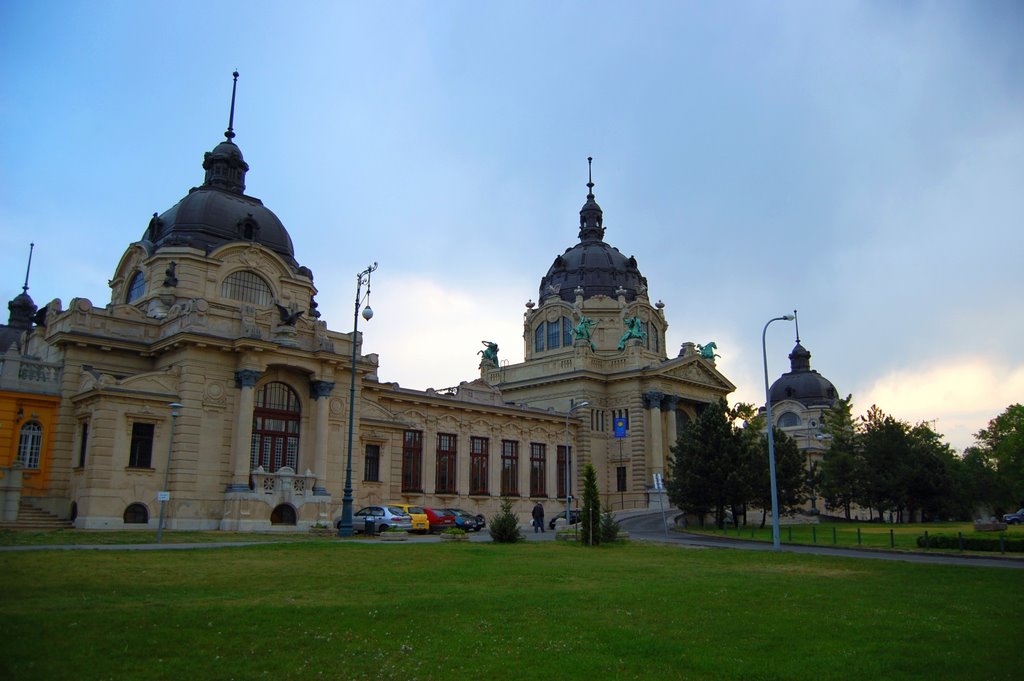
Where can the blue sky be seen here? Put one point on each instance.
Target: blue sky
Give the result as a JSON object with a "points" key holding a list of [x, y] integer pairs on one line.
{"points": [[862, 162]]}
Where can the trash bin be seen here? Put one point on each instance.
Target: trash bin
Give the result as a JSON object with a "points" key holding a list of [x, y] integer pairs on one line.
{"points": [[369, 528]]}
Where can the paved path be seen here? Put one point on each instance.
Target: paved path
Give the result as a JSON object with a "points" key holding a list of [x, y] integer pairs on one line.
{"points": [[649, 526]]}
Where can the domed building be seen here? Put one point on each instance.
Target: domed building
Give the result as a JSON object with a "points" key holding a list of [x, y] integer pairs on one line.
{"points": [[594, 337], [204, 394], [799, 398]]}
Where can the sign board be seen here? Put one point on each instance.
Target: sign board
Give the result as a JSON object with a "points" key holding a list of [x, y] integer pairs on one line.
{"points": [[659, 482], [163, 496], [619, 425]]}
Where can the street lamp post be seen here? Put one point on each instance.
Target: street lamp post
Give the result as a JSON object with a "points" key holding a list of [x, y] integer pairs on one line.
{"points": [[568, 457], [771, 439], [345, 528], [165, 493]]}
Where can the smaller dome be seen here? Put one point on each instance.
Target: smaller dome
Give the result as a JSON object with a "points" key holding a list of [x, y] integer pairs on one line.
{"points": [[803, 384]]}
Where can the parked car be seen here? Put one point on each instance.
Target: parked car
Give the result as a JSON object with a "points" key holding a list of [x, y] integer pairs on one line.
{"points": [[574, 517], [1014, 518], [466, 520], [420, 521], [440, 519], [384, 518]]}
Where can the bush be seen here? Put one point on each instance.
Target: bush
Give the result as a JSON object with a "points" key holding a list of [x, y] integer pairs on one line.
{"points": [[609, 528], [504, 527], [972, 543], [458, 531]]}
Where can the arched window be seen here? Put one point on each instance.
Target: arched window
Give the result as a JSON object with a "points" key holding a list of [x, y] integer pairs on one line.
{"points": [[788, 420], [136, 514], [247, 287], [30, 444], [136, 288], [566, 331], [275, 428], [538, 338]]}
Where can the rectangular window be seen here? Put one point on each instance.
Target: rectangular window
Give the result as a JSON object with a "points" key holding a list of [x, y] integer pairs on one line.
{"points": [[566, 332], [83, 444], [371, 465], [554, 333], [563, 462], [412, 461], [538, 469], [509, 468], [538, 338], [445, 481], [478, 455], [620, 479], [140, 455], [30, 444]]}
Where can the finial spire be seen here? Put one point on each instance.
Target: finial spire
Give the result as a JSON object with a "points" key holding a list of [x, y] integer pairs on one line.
{"points": [[590, 177], [230, 133], [31, 247], [796, 320]]}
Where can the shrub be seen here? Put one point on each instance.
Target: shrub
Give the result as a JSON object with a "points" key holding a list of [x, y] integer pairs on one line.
{"points": [[949, 541], [504, 527], [590, 514], [458, 531], [609, 528]]}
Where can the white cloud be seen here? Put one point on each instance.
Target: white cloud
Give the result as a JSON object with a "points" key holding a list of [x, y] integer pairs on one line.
{"points": [[961, 395]]}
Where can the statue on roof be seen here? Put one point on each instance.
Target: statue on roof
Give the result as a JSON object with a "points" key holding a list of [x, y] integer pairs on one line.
{"points": [[582, 329], [489, 355], [634, 329], [708, 351]]}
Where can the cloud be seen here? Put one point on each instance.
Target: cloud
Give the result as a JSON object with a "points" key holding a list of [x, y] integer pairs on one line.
{"points": [[962, 395]]}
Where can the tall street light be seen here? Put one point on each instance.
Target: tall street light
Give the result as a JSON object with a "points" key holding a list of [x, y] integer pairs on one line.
{"points": [[165, 493], [568, 495], [771, 438], [345, 528]]}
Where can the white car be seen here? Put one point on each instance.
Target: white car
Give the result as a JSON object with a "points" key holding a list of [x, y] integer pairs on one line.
{"points": [[383, 517]]}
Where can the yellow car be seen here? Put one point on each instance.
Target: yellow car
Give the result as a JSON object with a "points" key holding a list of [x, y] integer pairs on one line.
{"points": [[420, 521]]}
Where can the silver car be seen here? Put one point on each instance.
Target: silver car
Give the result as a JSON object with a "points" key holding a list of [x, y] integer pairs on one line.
{"points": [[383, 517]]}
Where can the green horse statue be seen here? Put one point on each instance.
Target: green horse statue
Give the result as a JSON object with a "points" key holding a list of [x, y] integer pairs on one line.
{"points": [[489, 355], [634, 329], [708, 351]]}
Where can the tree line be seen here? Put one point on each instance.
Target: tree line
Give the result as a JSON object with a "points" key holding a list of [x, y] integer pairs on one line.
{"points": [[882, 465]]}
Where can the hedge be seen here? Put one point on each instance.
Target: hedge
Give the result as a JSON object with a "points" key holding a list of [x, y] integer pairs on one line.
{"points": [[971, 543]]}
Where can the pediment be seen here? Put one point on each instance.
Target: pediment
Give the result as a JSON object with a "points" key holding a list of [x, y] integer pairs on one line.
{"points": [[696, 370]]}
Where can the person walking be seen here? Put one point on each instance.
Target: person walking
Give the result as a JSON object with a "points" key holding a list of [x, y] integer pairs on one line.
{"points": [[538, 518]]}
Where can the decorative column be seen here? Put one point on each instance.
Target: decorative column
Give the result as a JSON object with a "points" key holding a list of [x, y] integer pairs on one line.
{"points": [[241, 446], [655, 444], [319, 391], [668, 406]]}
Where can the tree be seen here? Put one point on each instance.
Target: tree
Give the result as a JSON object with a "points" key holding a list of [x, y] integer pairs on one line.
{"points": [[1002, 443], [708, 470], [841, 465], [504, 526], [790, 475], [590, 518]]}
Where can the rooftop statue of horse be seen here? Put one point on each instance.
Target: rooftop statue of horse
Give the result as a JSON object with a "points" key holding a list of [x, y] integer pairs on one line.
{"points": [[634, 329], [708, 351]]}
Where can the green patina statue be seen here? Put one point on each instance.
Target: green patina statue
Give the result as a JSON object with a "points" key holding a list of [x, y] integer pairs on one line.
{"points": [[708, 351], [583, 328], [634, 329], [489, 355]]}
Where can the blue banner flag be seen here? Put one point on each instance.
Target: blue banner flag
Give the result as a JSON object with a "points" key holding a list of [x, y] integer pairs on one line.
{"points": [[619, 424]]}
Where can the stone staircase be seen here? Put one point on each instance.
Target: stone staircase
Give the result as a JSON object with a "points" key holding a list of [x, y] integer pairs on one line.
{"points": [[34, 519]]}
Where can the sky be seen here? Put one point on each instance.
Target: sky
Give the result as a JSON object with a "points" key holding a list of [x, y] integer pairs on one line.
{"points": [[861, 162]]}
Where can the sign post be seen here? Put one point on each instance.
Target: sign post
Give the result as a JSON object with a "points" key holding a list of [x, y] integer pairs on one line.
{"points": [[659, 486]]}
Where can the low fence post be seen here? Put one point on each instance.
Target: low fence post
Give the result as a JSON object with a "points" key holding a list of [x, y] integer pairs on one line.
{"points": [[834, 536], [926, 547], [814, 534], [858, 536], [892, 540], [960, 540], [789, 531]]}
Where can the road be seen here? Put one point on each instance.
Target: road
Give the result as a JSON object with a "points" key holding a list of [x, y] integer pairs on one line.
{"points": [[649, 526]]}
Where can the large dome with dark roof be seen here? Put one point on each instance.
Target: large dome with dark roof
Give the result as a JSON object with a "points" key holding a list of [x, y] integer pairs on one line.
{"points": [[803, 384], [219, 211], [593, 265]]}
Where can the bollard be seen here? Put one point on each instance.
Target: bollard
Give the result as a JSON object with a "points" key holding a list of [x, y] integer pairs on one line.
{"points": [[833, 536], [789, 532], [926, 547], [1002, 548], [960, 540], [858, 536], [814, 534], [892, 540]]}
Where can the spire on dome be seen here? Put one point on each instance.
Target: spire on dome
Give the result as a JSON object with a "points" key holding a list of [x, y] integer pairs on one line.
{"points": [[225, 168], [591, 216], [23, 308]]}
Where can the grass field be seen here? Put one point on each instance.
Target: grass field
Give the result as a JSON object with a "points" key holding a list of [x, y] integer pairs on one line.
{"points": [[868, 535], [346, 610]]}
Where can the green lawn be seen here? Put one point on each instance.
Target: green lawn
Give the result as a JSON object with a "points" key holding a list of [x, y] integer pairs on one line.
{"points": [[867, 535], [346, 610]]}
